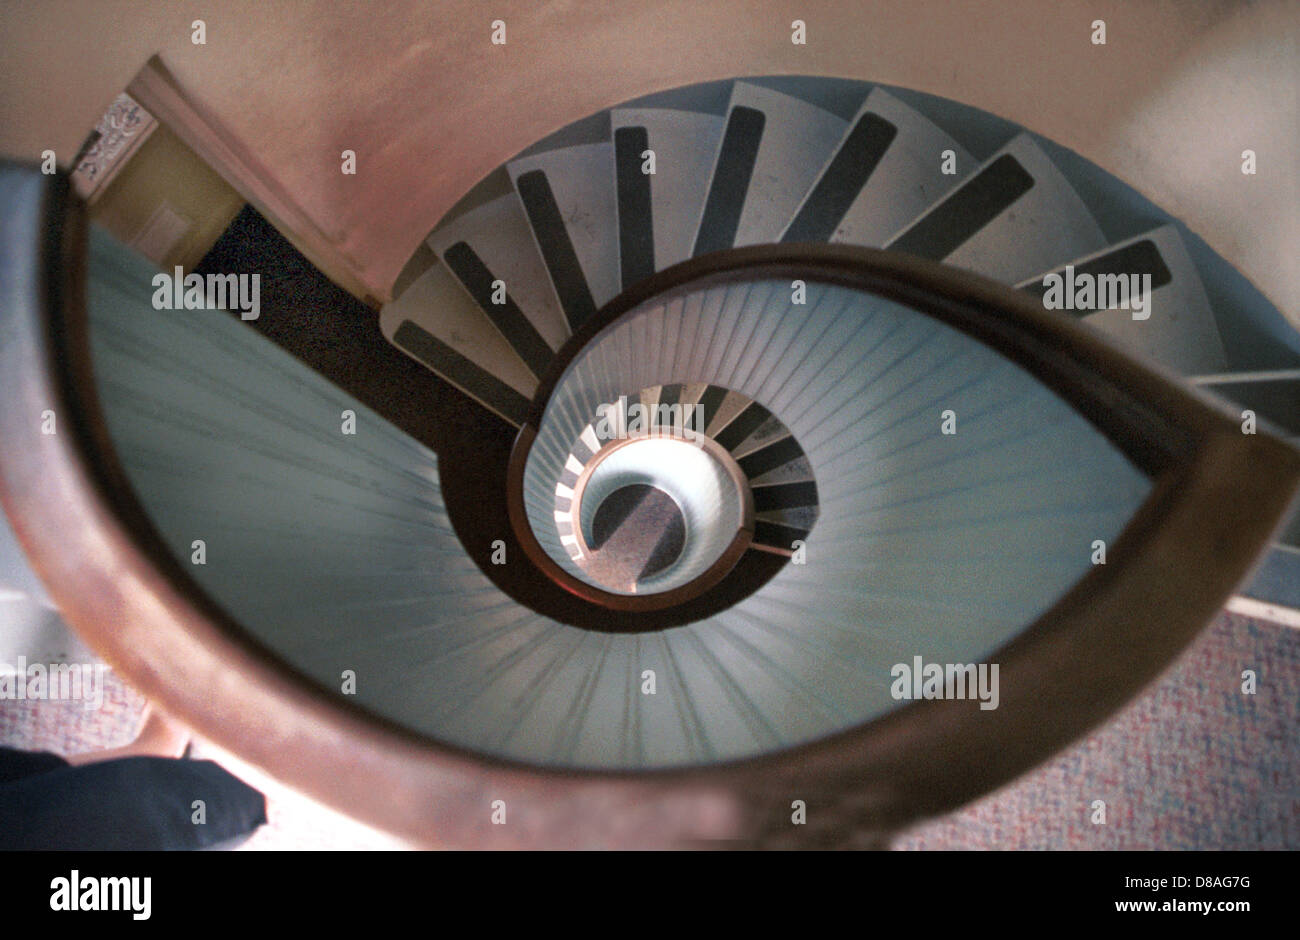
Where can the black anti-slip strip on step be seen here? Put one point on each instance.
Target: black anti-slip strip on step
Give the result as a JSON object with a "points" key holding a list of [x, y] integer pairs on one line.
{"points": [[462, 373], [711, 401], [670, 395], [843, 179], [784, 496], [742, 425], [971, 207], [770, 457], [557, 249], [508, 318], [636, 242], [777, 535], [1138, 258], [730, 185], [1274, 400]]}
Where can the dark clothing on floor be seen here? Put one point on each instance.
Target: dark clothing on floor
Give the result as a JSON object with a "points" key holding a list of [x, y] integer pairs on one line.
{"points": [[128, 803]]}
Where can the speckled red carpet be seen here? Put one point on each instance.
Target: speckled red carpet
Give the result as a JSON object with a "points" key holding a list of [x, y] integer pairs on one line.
{"points": [[1191, 764]]}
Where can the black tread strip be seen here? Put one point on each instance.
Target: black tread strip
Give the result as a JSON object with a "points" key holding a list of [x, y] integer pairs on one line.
{"points": [[776, 535], [842, 180], [770, 457], [459, 371], [556, 247], [711, 401], [742, 425], [519, 332], [784, 496], [1275, 400], [670, 394], [969, 208], [730, 184], [1141, 257], [636, 243]]}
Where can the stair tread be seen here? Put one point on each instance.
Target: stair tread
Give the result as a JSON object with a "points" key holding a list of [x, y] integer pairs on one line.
{"points": [[908, 179], [796, 141], [498, 233], [685, 144], [1275, 399], [468, 350], [1012, 218], [580, 179], [1180, 330]]}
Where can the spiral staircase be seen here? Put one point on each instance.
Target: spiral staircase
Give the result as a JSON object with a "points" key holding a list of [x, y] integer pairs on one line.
{"points": [[857, 449]]}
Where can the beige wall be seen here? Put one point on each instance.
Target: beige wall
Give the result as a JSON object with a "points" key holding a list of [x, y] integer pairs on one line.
{"points": [[429, 105], [165, 174]]}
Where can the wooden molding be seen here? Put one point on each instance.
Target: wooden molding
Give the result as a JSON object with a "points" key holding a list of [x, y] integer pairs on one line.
{"points": [[158, 91], [118, 135]]}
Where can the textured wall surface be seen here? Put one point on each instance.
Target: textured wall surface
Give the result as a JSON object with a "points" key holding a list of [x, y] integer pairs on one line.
{"points": [[429, 105]]}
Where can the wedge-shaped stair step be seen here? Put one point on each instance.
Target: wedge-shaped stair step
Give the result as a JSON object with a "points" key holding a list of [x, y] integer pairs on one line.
{"points": [[1273, 395], [493, 242], [1174, 326], [762, 437], [669, 408], [1013, 218], [568, 197], [784, 496], [887, 170], [669, 394], [772, 151], [772, 536], [796, 471], [685, 145], [711, 402], [657, 408], [504, 313], [794, 517], [692, 396], [434, 321], [734, 432], [769, 457], [720, 408]]}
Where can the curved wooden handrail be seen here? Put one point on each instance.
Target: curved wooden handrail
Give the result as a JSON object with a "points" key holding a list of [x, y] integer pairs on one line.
{"points": [[1216, 499]]}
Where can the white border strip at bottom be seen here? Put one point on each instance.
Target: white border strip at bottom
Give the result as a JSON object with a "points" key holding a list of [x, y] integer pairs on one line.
{"points": [[1249, 607]]}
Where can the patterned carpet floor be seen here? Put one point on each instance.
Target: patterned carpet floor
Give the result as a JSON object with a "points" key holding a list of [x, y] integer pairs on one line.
{"points": [[1193, 763]]}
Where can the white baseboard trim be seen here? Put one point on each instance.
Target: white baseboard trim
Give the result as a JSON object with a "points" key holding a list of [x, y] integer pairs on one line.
{"points": [[1261, 610]]}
